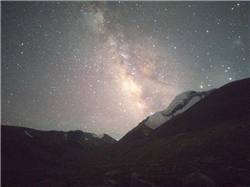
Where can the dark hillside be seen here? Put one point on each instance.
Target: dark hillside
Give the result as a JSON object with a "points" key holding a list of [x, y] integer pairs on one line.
{"points": [[139, 132]]}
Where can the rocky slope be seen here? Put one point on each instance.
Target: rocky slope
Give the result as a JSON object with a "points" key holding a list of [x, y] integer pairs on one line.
{"points": [[139, 132]]}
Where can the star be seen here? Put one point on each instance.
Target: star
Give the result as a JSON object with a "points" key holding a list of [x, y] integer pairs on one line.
{"points": [[106, 66]]}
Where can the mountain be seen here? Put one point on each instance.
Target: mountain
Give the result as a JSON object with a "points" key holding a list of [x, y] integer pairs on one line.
{"points": [[191, 109], [205, 145], [227, 103], [108, 139], [180, 104], [87, 140], [27, 145]]}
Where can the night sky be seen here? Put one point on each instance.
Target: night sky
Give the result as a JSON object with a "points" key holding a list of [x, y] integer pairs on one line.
{"points": [[103, 67]]}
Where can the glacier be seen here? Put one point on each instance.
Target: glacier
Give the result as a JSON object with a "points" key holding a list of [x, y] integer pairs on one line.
{"points": [[180, 104]]}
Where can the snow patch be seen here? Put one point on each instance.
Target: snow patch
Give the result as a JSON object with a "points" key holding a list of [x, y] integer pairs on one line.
{"points": [[28, 134], [100, 136], [155, 120], [191, 103], [94, 135]]}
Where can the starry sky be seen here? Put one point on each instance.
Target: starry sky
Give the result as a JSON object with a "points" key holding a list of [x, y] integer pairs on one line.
{"points": [[103, 67]]}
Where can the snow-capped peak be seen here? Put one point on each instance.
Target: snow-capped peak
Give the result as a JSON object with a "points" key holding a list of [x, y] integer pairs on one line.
{"points": [[180, 104]]}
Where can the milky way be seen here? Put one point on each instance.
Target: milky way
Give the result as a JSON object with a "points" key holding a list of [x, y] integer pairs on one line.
{"points": [[103, 67]]}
